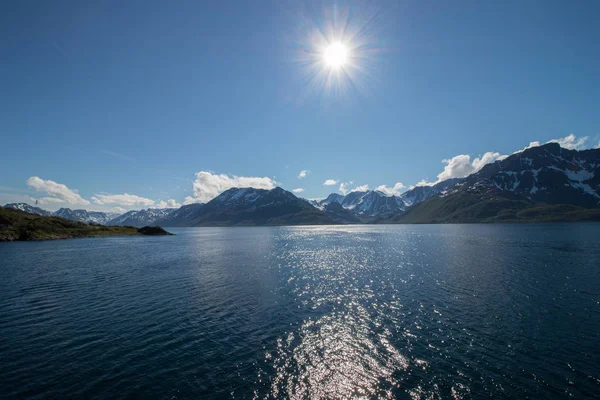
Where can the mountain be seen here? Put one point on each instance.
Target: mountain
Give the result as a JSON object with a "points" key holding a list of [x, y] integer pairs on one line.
{"points": [[85, 216], [490, 206], [363, 206], [28, 209], [375, 206], [339, 214], [545, 174], [332, 198], [545, 183], [19, 225], [141, 218], [181, 216], [422, 193], [249, 206]]}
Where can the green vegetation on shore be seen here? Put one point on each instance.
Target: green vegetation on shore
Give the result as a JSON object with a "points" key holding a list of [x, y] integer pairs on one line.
{"points": [[19, 225], [504, 207]]}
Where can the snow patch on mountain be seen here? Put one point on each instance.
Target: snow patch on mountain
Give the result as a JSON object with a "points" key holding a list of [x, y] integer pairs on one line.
{"points": [[141, 218], [95, 217], [546, 174], [28, 209], [367, 203]]}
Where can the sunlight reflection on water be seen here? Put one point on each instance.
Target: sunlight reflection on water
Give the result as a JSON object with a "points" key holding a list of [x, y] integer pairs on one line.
{"points": [[410, 312], [380, 321]]}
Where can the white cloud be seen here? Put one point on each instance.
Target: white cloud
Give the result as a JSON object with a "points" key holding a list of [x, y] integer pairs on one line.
{"points": [[167, 204], [568, 142], [422, 182], [461, 165], [303, 173], [56, 191], [391, 191], [120, 210], [190, 200], [330, 182], [298, 190], [530, 145], [425, 182], [487, 158], [48, 200], [362, 188], [571, 142], [125, 199], [344, 188], [207, 185]]}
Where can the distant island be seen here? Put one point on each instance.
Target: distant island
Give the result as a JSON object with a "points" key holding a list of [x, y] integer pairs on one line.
{"points": [[17, 225], [545, 183]]}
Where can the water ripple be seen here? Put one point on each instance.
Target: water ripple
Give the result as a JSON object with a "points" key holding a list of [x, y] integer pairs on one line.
{"points": [[414, 312]]}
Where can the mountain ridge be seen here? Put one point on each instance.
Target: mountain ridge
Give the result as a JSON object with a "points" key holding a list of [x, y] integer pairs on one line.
{"points": [[535, 184], [139, 218], [250, 206], [546, 183], [18, 225]]}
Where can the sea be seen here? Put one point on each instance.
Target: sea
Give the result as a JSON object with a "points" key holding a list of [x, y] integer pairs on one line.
{"points": [[316, 312]]}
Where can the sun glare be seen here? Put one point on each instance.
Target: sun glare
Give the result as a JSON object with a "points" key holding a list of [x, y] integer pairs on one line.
{"points": [[336, 50], [336, 55]]}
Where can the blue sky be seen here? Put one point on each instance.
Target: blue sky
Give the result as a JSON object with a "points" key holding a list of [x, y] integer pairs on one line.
{"points": [[127, 104]]}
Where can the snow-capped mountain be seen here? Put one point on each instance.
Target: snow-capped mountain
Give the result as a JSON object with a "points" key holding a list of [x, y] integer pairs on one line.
{"points": [[422, 193], [339, 214], [371, 203], [96, 217], [332, 198], [181, 216], [546, 174], [28, 209], [140, 218], [524, 184], [249, 206], [545, 183]]}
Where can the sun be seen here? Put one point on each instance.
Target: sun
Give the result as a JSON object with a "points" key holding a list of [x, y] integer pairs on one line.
{"points": [[337, 52], [335, 55]]}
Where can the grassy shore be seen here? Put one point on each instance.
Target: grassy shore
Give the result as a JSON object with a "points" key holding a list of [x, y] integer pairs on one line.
{"points": [[19, 225]]}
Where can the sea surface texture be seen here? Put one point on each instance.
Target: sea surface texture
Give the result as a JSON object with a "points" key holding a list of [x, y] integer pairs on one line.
{"points": [[409, 312]]}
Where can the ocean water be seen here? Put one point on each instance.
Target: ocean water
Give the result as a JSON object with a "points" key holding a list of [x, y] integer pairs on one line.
{"points": [[414, 312]]}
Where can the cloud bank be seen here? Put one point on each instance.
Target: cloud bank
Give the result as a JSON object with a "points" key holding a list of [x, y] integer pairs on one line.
{"points": [[391, 191], [125, 199], [568, 142], [461, 165], [57, 191], [345, 188], [171, 203], [207, 185], [361, 188]]}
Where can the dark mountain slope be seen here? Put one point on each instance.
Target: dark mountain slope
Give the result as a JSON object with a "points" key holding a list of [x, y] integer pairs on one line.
{"points": [[250, 207], [546, 183], [182, 216]]}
